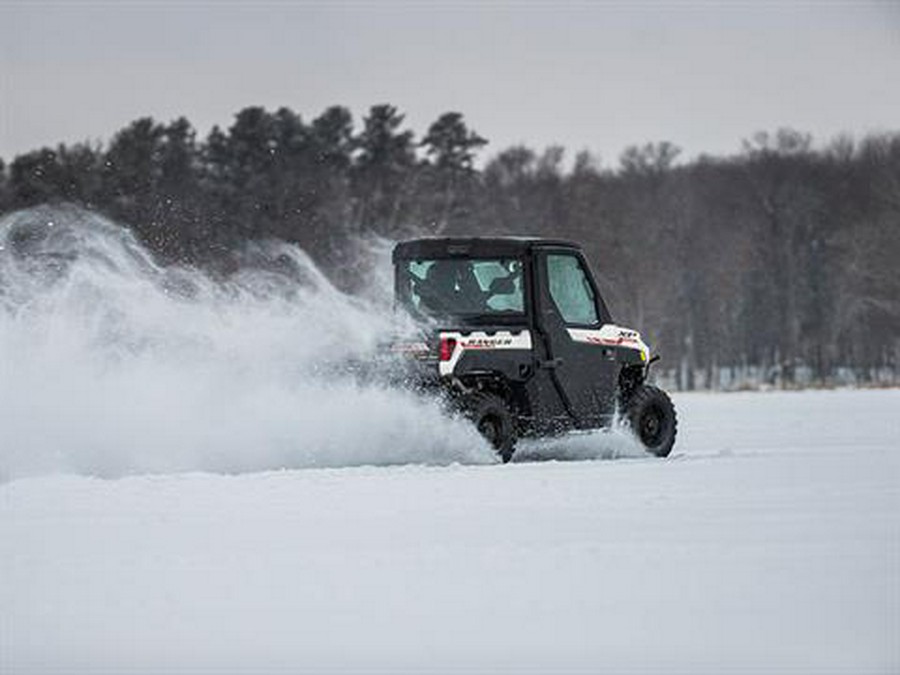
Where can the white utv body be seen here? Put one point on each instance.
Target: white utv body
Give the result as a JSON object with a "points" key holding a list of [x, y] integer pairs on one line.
{"points": [[517, 335]]}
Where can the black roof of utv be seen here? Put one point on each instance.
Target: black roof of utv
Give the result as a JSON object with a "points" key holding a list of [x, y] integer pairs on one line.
{"points": [[471, 247]]}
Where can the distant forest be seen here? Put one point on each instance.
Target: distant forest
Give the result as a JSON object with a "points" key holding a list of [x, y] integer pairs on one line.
{"points": [[778, 264]]}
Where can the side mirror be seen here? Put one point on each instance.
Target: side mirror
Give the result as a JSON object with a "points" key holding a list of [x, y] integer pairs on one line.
{"points": [[502, 286]]}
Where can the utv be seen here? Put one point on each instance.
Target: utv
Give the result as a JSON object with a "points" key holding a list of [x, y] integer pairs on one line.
{"points": [[517, 337]]}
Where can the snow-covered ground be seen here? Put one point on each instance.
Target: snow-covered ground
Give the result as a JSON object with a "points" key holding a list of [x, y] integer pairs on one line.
{"points": [[768, 542], [165, 504]]}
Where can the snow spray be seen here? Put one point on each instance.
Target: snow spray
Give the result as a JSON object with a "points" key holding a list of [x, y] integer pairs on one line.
{"points": [[111, 364]]}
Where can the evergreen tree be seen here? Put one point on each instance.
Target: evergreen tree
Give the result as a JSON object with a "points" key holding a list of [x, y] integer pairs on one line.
{"points": [[35, 178], [451, 146], [383, 166], [132, 171], [250, 149], [181, 206], [331, 149]]}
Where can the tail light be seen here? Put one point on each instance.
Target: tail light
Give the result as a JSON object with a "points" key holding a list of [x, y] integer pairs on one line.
{"points": [[448, 346]]}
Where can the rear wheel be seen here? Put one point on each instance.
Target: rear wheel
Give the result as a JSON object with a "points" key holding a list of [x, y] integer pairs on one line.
{"points": [[494, 421], [652, 417]]}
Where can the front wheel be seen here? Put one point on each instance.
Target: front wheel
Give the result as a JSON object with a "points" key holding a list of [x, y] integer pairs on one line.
{"points": [[494, 421], [652, 417]]}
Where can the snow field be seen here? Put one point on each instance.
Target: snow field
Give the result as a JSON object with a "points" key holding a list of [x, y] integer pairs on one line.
{"points": [[769, 542]]}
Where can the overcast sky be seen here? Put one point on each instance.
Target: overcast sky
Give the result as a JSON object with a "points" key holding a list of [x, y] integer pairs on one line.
{"points": [[587, 75]]}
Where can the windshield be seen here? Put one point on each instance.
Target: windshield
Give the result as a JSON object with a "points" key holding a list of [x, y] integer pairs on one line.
{"points": [[459, 287]]}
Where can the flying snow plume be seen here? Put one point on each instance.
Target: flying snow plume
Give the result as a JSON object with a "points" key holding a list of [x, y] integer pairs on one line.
{"points": [[111, 364]]}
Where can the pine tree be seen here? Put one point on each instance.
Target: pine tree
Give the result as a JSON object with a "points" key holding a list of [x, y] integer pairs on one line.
{"points": [[382, 170], [451, 146]]}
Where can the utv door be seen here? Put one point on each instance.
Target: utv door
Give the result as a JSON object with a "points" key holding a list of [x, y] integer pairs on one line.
{"points": [[585, 372]]}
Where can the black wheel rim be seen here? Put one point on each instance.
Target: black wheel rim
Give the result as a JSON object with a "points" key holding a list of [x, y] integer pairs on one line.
{"points": [[489, 427], [651, 426]]}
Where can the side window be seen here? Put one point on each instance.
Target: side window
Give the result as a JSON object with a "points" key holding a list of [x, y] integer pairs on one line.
{"points": [[571, 290], [501, 297]]}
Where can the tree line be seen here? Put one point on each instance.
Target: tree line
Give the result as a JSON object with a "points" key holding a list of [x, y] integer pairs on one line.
{"points": [[776, 264]]}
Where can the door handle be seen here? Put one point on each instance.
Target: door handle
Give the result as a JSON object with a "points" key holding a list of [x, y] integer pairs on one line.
{"points": [[550, 363]]}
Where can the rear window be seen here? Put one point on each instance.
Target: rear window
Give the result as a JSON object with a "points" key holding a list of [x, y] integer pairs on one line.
{"points": [[459, 287]]}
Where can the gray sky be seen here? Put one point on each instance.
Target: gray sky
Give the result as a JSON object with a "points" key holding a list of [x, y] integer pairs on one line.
{"points": [[587, 75]]}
